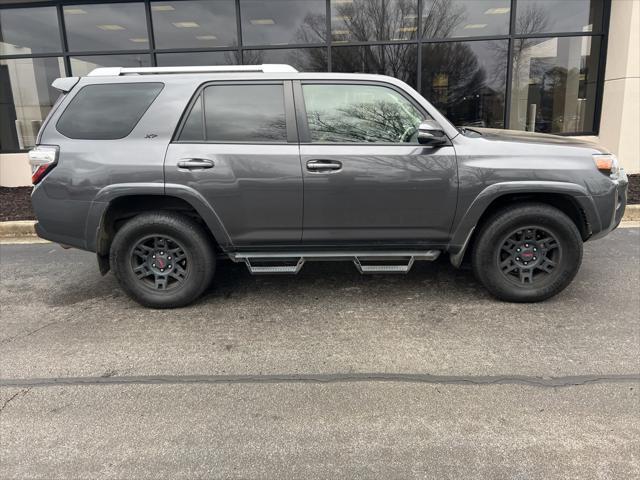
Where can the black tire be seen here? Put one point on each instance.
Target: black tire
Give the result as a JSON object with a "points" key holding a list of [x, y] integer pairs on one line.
{"points": [[514, 273], [141, 240]]}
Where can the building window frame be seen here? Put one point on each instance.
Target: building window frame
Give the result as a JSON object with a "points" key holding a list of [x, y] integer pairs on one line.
{"points": [[328, 44]]}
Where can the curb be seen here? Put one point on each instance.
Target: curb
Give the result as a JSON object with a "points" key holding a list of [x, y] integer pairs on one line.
{"points": [[632, 213], [25, 228], [18, 228]]}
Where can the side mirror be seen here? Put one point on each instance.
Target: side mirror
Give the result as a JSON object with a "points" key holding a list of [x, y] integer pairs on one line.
{"points": [[430, 133]]}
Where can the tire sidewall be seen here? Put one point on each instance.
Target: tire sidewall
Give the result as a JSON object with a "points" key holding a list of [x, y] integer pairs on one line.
{"points": [[554, 221], [201, 261]]}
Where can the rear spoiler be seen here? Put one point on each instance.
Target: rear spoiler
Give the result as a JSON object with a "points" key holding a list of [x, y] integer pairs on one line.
{"points": [[65, 84]]}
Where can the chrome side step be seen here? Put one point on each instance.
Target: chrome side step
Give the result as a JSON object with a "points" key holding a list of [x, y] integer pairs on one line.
{"points": [[266, 269], [365, 262], [383, 268]]}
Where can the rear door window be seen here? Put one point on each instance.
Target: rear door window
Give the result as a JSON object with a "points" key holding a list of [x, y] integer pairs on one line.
{"points": [[238, 114], [107, 111]]}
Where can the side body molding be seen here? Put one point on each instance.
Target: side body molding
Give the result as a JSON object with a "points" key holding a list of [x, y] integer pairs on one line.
{"points": [[108, 194], [463, 231]]}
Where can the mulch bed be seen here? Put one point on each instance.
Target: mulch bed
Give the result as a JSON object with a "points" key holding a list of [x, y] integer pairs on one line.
{"points": [[15, 202], [633, 195]]}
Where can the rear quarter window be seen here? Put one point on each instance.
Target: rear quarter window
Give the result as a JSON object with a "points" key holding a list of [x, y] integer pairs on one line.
{"points": [[107, 111]]}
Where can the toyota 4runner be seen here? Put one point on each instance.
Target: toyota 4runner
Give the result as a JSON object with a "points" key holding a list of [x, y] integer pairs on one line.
{"points": [[161, 171]]}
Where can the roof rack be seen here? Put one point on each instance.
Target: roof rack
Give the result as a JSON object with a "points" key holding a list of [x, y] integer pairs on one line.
{"points": [[117, 71]]}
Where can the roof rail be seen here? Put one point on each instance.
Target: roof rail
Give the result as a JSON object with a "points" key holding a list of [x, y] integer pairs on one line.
{"points": [[117, 71]]}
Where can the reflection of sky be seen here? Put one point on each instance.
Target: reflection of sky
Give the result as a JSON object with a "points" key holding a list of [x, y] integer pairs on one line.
{"points": [[199, 58], [83, 65], [217, 19], [488, 55], [564, 16], [473, 15], [242, 112], [30, 30], [288, 16], [84, 35], [302, 59]]}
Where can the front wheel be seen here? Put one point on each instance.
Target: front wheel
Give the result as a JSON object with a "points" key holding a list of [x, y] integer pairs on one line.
{"points": [[162, 259], [527, 253]]}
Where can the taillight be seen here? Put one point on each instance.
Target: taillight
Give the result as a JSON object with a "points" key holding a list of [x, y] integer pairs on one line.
{"points": [[42, 159]]}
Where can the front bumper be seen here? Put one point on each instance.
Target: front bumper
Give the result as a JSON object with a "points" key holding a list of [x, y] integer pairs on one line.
{"points": [[611, 206]]}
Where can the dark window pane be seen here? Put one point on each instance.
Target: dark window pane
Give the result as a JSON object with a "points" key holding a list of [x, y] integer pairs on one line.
{"points": [[280, 22], [26, 96], [465, 18], [303, 59], [117, 26], [193, 130], [554, 84], [547, 16], [398, 61], [245, 113], [466, 80], [24, 31], [197, 58], [107, 112], [83, 65], [360, 114], [367, 20], [194, 24]]}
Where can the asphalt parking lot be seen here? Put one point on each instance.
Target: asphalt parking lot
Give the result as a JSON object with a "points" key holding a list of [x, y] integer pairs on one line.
{"points": [[325, 375]]}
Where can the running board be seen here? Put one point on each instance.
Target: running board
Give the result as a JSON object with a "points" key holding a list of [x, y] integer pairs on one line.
{"points": [[366, 262]]}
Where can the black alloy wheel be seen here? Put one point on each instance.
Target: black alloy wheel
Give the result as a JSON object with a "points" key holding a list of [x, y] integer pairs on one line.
{"points": [[529, 254], [526, 252], [160, 262], [163, 259]]}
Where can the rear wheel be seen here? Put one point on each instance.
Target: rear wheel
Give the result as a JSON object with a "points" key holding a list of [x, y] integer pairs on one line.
{"points": [[527, 253], [162, 259]]}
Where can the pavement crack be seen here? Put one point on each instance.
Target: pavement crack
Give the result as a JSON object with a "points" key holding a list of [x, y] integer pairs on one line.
{"points": [[20, 393], [478, 380]]}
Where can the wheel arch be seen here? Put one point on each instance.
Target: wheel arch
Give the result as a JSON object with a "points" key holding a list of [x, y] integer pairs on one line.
{"points": [[111, 209], [571, 199]]}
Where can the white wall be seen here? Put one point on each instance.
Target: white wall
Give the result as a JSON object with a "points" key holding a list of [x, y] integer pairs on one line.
{"points": [[620, 121], [14, 170]]}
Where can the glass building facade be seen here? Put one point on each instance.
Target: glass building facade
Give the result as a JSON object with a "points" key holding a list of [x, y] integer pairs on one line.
{"points": [[532, 65]]}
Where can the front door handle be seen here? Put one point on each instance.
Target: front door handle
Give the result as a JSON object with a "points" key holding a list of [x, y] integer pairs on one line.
{"points": [[323, 165], [195, 163]]}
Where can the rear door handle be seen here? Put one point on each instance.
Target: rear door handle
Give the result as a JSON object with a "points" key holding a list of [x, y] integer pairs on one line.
{"points": [[195, 163], [326, 165]]}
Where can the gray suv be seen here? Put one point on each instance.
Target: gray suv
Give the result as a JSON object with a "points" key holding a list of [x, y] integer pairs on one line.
{"points": [[162, 171]]}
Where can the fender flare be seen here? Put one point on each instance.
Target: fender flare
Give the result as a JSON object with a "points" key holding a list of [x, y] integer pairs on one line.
{"points": [[463, 231], [110, 193]]}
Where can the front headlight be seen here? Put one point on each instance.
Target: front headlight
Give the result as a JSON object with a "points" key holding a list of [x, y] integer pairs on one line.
{"points": [[607, 163]]}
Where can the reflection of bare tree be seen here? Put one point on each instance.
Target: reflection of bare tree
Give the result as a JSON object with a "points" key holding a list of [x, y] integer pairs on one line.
{"points": [[455, 81], [532, 19], [399, 61], [272, 130], [363, 20], [379, 121], [313, 29], [441, 17]]}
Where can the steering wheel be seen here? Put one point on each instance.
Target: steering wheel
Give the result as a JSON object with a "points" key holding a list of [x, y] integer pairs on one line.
{"points": [[408, 133]]}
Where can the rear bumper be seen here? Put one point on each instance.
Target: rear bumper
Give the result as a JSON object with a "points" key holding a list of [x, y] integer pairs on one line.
{"points": [[57, 238], [60, 218]]}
